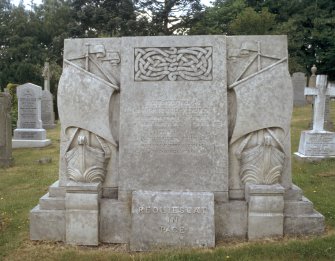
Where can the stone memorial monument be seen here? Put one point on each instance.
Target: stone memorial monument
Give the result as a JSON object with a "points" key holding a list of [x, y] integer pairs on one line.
{"points": [[299, 81], [328, 124], [318, 143], [29, 132], [47, 107], [174, 142], [5, 130]]}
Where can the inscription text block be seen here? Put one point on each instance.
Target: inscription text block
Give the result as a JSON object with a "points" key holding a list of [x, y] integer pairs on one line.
{"points": [[172, 219]]}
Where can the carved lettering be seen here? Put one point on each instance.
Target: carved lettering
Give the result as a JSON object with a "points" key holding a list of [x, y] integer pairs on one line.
{"points": [[171, 210]]}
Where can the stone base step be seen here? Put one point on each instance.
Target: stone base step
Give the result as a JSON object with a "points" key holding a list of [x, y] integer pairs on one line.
{"points": [[304, 224], [56, 191], [51, 203], [47, 224], [301, 207], [294, 193]]}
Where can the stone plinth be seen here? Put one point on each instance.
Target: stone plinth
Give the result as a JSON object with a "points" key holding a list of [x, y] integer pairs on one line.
{"points": [[316, 145], [29, 132], [82, 213], [265, 211]]}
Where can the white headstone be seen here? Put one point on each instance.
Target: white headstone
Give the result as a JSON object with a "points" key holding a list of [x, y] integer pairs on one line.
{"points": [[29, 131], [318, 143]]}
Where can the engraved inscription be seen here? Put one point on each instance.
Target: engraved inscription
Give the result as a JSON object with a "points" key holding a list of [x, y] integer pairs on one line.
{"points": [[173, 64], [172, 219], [323, 145], [28, 112], [175, 127]]}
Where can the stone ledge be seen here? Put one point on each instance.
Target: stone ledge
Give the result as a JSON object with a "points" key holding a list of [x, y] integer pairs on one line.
{"points": [[30, 143], [52, 203]]}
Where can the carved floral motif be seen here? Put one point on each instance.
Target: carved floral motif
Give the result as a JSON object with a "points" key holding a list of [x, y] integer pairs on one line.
{"points": [[175, 63]]}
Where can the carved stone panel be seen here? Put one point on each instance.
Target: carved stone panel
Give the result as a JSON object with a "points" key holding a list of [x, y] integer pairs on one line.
{"points": [[172, 219], [173, 128]]}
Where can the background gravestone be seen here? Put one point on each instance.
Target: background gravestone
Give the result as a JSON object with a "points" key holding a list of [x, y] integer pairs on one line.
{"points": [[5, 131], [318, 143], [48, 115], [47, 107], [299, 83], [29, 132]]}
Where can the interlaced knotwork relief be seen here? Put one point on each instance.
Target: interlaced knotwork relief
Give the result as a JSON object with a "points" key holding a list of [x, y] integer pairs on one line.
{"points": [[173, 64]]}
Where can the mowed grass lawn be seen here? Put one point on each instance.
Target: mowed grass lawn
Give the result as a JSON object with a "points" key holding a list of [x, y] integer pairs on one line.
{"points": [[22, 185]]}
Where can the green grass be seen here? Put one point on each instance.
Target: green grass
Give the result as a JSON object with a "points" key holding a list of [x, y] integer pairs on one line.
{"points": [[22, 185]]}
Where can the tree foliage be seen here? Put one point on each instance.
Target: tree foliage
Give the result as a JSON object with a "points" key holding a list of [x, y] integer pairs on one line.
{"points": [[31, 35]]}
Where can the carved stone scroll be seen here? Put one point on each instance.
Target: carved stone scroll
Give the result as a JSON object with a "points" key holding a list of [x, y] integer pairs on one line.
{"points": [[173, 64]]}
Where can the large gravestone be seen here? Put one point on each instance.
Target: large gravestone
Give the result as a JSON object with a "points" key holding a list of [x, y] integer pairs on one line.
{"points": [[29, 131], [5, 130], [174, 142], [47, 106], [299, 82], [318, 143]]}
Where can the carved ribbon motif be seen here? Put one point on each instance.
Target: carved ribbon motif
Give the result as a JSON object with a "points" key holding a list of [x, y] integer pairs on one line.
{"points": [[175, 63]]}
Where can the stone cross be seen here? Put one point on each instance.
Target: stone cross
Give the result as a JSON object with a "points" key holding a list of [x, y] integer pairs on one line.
{"points": [[46, 75], [320, 92]]}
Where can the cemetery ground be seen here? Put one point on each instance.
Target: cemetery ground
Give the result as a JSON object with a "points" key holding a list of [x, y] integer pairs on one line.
{"points": [[22, 185]]}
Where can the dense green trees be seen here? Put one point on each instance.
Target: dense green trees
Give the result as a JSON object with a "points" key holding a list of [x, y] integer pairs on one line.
{"points": [[28, 36]]}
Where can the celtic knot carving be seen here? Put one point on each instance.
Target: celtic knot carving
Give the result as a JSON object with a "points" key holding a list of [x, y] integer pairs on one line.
{"points": [[173, 64]]}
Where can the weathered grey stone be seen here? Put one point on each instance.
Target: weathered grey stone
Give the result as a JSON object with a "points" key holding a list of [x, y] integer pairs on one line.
{"points": [[82, 213], [197, 121], [296, 207], [231, 220], [115, 221], [172, 219], [29, 131], [253, 63], [180, 115], [299, 82], [5, 130], [47, 108], [293, 193], [56, 191], [47, 224], [49, 203], [265, 211], [304, 224]]}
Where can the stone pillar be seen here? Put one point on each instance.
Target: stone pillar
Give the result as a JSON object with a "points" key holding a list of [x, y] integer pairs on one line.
{"points": [[310, 99], [82, 213], [265, 210]]}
